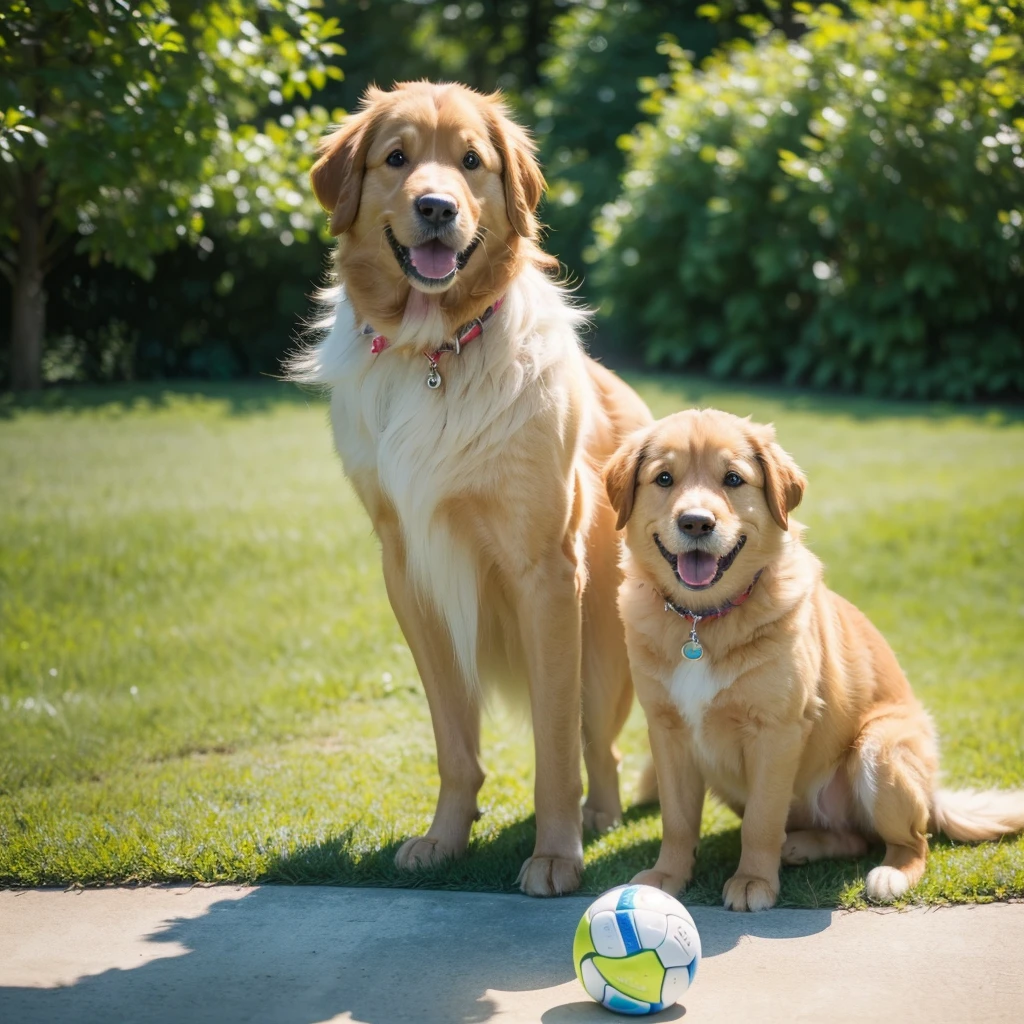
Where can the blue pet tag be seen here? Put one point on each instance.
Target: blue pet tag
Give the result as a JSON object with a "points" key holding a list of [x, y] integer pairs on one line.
{"points": [[692, 650]]}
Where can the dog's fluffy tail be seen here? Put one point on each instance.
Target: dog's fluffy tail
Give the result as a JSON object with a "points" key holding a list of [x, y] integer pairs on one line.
{"points": [[973, 815]]}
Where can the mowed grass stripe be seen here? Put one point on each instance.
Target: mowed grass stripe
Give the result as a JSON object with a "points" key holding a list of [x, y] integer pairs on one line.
{"points": [[232, 699]]}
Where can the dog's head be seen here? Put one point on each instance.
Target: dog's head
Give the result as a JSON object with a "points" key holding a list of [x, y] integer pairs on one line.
{"points": [[705, 498], [432, 191]]}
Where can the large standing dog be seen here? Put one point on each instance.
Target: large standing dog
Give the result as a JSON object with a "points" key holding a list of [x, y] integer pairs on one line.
{"points": [[760, 682], [474, 430]]}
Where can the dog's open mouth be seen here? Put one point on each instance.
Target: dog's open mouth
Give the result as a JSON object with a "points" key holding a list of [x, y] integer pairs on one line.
{"points": [[697, 569], [432, 263]]}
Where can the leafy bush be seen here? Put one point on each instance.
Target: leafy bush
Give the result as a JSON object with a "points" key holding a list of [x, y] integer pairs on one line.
{"points": [[845, 210], [228, 308]]}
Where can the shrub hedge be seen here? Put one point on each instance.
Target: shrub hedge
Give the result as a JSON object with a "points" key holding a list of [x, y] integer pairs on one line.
{"points": [[229, 309], [844, 210]]}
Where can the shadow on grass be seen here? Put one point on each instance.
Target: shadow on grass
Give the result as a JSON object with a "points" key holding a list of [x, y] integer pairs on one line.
{"points": [[248, 397], [492, 865], [736, 395], [242, 398], [823, 885]]}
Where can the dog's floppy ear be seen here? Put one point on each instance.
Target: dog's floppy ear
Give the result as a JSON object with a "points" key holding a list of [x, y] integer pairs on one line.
{"points": [[784, 483], [621, 473], [521, 174], [337, 176]]}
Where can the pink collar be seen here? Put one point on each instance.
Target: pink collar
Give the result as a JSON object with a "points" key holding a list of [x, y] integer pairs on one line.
{"points": [[463, 336], [693, 649], [712, 613]]}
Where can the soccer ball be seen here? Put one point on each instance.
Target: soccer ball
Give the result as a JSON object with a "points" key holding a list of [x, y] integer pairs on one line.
{"points": [[636, 949]]}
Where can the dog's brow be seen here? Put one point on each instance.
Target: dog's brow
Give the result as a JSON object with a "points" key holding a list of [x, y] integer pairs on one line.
{"points": [[393, 136]]}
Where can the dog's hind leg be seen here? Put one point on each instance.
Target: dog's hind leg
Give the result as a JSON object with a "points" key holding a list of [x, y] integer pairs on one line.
{"points": [[607, 691], [893, 767], [806, 845], [607, 696]]}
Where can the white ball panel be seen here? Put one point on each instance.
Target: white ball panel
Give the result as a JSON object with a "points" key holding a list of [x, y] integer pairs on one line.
{"points": [[681, 943], [604, 931], [606, 901], [677, 981], [592, 981], [649, 898], [650, 927]]}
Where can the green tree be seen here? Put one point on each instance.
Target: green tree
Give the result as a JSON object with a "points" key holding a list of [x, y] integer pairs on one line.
{"points": [[120, 124], [601, 53], [495, 45]]}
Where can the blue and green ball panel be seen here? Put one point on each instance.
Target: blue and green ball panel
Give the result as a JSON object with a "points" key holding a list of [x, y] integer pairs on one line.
{"points": [[636, 950]]}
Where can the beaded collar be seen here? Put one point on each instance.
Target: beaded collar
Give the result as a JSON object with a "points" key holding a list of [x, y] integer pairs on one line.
{"points": [[463, 336], [692, 649]]}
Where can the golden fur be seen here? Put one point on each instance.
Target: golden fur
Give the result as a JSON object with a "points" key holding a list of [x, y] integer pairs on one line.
{"points": [[798, 715], [497, 539]]}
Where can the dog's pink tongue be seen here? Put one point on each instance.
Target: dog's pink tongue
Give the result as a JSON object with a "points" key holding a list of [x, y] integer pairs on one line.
{"points": [[696, 568], [433, 259]]}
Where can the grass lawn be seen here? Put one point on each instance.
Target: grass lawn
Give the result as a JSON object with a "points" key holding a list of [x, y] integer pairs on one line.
{"points": [[201, 679]]}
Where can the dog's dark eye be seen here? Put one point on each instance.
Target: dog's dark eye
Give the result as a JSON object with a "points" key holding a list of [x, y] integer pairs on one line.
{"points": [[471, 161], [664, 480], [733, 480], [395, 159]]}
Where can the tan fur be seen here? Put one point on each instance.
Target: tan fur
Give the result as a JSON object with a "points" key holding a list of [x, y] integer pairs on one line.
{"points": [[435, 125], [498, 541], [798, 715]]}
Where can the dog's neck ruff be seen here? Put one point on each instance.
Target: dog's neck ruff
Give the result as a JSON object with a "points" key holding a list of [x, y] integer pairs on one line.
{"points": [[692, 650], [463, 336]]}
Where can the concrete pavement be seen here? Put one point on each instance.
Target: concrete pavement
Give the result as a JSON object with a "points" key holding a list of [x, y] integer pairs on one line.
{"points": [[300, 955]]}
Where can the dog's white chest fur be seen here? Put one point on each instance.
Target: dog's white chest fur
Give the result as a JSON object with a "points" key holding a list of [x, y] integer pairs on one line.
{"points": [[426, 447], [692, 686]]}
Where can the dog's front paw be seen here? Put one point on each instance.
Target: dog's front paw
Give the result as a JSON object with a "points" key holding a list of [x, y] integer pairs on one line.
{"points": [[748, 892], [885, 884], [666, 881], [550, 876], [423, 852]]}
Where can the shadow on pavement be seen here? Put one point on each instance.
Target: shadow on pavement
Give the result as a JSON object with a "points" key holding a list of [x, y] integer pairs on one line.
{"points": [[300, 955], [304, 955], [588, 1012]]}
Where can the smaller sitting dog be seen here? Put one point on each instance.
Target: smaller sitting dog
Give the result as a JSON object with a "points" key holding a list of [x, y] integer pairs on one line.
{"points": [[760, 682]]}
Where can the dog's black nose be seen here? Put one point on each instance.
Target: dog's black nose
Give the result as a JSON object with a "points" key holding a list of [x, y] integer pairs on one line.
{"points": [[437, 209], [696, 522]]}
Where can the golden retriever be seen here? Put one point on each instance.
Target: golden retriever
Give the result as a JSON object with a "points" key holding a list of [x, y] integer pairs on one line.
{"points": [[760, 682], [478, 461]]}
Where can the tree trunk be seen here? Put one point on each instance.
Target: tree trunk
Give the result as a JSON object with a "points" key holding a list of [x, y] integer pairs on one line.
{"points": [[28, 299]]}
